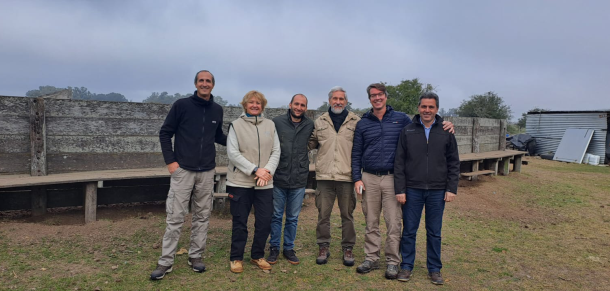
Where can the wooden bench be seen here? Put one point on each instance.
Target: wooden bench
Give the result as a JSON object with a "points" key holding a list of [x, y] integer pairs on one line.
{"points": [[92, 180], [492, 163]]}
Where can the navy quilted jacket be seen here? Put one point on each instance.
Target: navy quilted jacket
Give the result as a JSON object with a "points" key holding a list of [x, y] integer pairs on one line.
{"points": [[375, 141]]}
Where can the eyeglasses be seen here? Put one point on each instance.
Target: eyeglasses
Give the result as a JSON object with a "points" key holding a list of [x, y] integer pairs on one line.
{"points": [[377, 95]]}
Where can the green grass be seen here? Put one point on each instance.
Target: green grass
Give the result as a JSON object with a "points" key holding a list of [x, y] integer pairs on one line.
{"points": [[548, 231]]}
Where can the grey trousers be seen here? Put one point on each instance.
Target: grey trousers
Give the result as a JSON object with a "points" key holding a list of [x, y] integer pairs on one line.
{"points": [[183, 184], [380, 196], [325, 200]]}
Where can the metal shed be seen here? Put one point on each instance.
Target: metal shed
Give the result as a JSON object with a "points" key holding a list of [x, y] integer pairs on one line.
{"points": [[548, 129]]}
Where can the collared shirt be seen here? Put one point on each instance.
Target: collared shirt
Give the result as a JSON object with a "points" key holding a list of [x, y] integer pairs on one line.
{"points": [[427, 129]]}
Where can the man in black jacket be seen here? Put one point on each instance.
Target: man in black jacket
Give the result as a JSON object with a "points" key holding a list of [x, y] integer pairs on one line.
{"points": [[195, 123], [290, 179], [426, 172]]}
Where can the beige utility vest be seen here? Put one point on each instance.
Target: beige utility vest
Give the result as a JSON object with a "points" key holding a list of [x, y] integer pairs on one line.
{"points": [[255, 136]]}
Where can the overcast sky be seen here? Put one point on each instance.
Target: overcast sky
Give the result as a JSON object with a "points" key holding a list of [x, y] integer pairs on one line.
{"points": [[549, 54]]}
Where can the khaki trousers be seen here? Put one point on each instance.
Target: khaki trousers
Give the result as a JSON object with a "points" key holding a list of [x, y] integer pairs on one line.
{"points": [[325, 200], [379, 195], [184, 185]]}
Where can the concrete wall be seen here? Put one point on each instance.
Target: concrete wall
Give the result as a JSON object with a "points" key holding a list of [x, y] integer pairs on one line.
{"points": [[77, 135]]}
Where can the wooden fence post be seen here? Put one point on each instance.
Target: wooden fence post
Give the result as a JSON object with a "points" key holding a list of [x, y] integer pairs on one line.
{"points": [[38, 138], [502, 142], [476, 125]]}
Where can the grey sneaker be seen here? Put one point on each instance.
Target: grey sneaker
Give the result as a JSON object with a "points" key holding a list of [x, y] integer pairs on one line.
{"points": [[367, 266], [391, 272], [160, 272], [348, 257], [197, 265], [436, 278], [273, 254]]}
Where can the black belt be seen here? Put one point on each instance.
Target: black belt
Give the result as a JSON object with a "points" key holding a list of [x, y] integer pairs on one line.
{"points": [[379, 173]]}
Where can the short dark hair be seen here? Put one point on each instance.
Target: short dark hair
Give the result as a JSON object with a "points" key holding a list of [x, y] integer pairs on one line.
{"points": [[428, 95], [213, 81], [378, 86], [298, 94]]}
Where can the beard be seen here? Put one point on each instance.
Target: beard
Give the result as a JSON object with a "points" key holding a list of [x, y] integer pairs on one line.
{"points": [[336, 110], [296, 116]]}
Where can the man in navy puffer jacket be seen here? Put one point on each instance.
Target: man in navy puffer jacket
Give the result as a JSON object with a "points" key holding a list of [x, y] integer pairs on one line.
{"points": [[375, 140]]}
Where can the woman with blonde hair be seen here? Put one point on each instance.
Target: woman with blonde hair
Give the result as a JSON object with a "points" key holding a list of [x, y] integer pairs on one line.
{"points": [[253, 149]]}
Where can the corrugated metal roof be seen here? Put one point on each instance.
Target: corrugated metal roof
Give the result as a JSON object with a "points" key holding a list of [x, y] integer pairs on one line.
{"points": [[548, 129]]}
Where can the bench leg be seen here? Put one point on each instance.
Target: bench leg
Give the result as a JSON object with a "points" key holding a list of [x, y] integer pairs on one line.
{"points": [[475, 168], [494, 167], [517, 164], [90, 202], [504, 166], [39, 200]]}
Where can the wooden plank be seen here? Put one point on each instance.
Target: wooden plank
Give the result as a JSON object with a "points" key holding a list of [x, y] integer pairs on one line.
{"points": [[14, 163], [103, 144], [90, 201], [474, 174], [489, 155], [38, 138], [105, 109], [39, 200], [72, 162], [14, 143], [9, 181], [108, 127], [19, 125], [14, 106], [475, 135]]}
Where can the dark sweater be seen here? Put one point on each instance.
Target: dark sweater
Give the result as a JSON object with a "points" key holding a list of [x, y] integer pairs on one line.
{"points": [[195, 125], [337, 118]]}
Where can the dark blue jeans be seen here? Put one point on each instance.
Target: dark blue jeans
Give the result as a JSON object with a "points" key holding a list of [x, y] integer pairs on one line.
{"points": [[291, 200], [434, 202]]}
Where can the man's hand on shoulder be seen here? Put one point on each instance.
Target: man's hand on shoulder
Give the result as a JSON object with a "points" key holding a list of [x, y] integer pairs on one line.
{"points": [[401, 198], [449, 196], [172, 167], [448, 126]]}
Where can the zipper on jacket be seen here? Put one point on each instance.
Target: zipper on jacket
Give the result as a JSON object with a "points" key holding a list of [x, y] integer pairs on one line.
{"points": [[201, 142], [259, 140]]}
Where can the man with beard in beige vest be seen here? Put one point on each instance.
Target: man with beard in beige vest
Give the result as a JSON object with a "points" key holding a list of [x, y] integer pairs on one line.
{"points": [[333, 135]]}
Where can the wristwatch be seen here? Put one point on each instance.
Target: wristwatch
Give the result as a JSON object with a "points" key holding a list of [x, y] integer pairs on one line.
{"points": [[254, 171]]}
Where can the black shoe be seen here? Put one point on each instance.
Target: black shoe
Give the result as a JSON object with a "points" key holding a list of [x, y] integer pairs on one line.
{"points": [[348, 257], [367, 266], [391, 271], [273, 254], [160, 272], [197, 265], [436, 278], [323, 255], [291, 256], [404, 275]]}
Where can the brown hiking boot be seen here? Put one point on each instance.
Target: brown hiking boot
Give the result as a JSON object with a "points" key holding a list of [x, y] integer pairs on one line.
{"points": [[436, 278], [323, 255], [404, 275], [348, 257]]}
